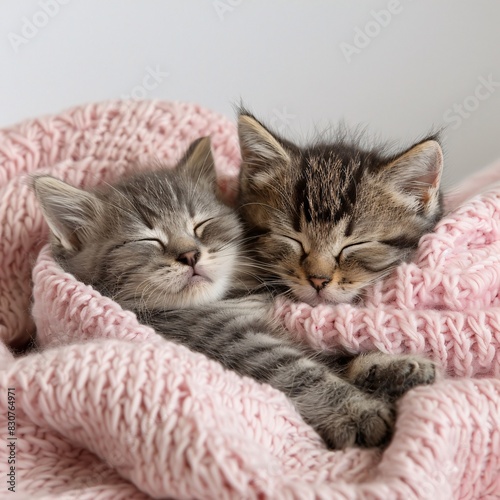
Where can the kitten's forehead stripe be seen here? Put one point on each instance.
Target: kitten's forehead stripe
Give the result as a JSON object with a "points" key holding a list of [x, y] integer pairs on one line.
{"points": [[349, 227], [147, 214], [327, 189], [300, 189]]}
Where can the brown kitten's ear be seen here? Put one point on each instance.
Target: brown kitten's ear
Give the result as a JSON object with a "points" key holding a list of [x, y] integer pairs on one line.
{"points": [[417, 172], [260, 150], [199, 160], [69, 211]]}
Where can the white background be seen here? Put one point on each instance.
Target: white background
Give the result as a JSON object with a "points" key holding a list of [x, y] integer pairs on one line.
{"points": [[285, 59]]}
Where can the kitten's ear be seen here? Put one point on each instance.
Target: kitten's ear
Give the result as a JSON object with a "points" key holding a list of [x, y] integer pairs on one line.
{"points": [[199, 160], [260, 150], [417, 172], [69, 211]]}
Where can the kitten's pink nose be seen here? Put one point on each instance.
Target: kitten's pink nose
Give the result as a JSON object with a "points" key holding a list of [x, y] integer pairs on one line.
{"points": [[319, 282], [189, 258]]}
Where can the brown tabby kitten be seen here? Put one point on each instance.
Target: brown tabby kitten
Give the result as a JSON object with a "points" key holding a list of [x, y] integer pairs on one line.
{"points": [[161, 244], [331, 218]]}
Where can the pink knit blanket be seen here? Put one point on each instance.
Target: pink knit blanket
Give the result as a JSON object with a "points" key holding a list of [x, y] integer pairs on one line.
{"points": [[108, 409]]}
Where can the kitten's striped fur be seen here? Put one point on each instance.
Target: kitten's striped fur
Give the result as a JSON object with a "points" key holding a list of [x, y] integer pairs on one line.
{"points": [[162, 245], [331, 218]]}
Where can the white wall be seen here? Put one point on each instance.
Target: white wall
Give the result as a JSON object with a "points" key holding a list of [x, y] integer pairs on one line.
{"points": [[285, 59]]}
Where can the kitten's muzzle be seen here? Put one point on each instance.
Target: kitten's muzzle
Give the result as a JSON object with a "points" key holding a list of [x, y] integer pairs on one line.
{"points": [[319, 282], [189, 258]]}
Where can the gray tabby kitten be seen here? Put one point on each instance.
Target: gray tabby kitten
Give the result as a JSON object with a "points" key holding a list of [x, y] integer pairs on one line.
{"points": [[161, 244], [331, 218]]}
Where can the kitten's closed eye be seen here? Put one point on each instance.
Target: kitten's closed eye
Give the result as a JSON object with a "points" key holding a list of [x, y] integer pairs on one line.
{"points": [[200, 227], [149, 242], [152, 241], [372, 255], [352, 249], [144, 241], [297, 244]]}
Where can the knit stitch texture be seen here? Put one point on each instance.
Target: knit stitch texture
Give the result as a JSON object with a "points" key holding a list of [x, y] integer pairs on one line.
{"points": [[107, 409]]}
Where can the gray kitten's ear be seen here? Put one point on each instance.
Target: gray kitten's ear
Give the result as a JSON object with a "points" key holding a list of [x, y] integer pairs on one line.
{"points": [[418, 171], [69, 211], [199, 160], [260, 150]]}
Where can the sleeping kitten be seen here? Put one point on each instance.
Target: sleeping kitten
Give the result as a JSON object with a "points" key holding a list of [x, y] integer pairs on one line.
{"points": [[162, 245], [331, 218]]}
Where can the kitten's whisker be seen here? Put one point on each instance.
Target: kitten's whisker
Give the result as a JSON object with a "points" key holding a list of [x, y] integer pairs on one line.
{"points": [[265, 205], [163, 293], [145, 290], [240, 239]]}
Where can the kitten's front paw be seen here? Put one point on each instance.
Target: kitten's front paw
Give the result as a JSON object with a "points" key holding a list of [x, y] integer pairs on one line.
{"points": [[391, 375], [367, 423]]}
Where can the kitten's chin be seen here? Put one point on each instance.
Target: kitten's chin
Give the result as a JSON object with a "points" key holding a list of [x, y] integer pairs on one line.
{"points": [[200, 290], [198, 280], [326, 296], [197, 292]]}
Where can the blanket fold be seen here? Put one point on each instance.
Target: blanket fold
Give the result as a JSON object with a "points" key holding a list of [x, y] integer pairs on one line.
{"points": [[106, 408]]}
